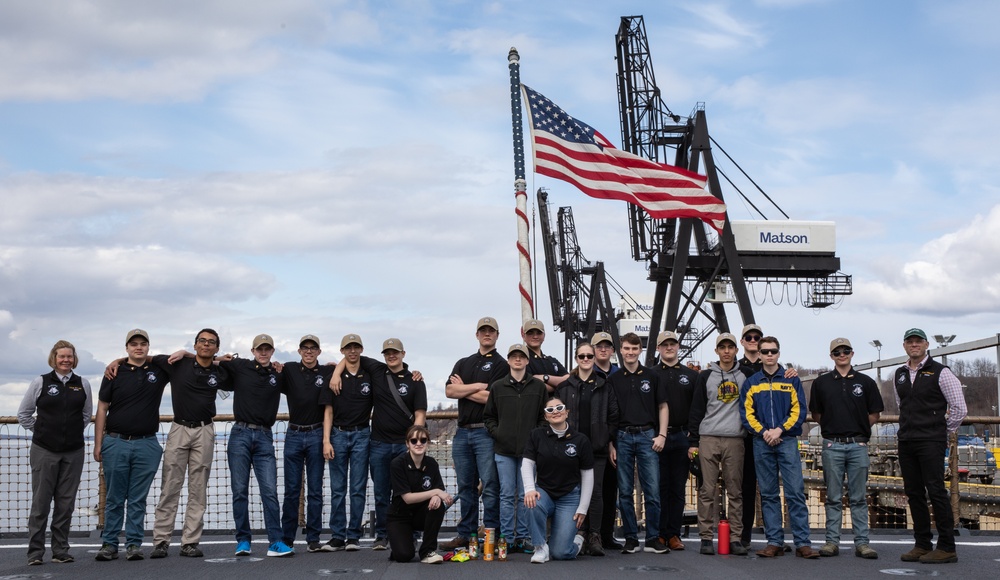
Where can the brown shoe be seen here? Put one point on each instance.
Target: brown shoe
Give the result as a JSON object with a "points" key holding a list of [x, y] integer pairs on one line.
{"points": [[939, 557], [806, 552], [770, 551], [454, 543], [675, 543], [914, 554]]}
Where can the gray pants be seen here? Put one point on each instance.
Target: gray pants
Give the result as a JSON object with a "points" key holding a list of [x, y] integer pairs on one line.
{"points": [[55, 478]]}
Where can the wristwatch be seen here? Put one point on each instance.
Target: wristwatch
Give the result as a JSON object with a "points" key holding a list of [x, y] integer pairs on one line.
{"points": [[545, 379]]}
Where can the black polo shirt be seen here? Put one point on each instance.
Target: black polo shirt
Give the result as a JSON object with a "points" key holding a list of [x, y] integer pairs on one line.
{"points": [[389, 422], [353, 406], [558, 460], [639, 396], [407, 478], [133, 398], [544, 365], [193, 387], [679, 383], [302, 388], [750, 367], [256, 391], [478, 368], [844, 403]]}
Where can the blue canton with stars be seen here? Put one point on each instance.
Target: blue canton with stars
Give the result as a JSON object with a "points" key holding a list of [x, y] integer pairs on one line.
{"points": [[547, 116]]}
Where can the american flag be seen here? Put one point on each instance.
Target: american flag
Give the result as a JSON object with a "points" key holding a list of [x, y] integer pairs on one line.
{"points": [[568, 149]]}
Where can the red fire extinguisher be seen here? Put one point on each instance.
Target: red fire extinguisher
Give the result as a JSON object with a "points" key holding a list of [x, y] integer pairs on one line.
{"points": [[723, 536]]}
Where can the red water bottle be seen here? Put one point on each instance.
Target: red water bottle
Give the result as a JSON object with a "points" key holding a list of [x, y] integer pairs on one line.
{"points": [[723, 537]]}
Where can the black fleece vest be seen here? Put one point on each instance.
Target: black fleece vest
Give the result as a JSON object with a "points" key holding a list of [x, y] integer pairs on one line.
{"points": [[922, 405], [59, 421]]}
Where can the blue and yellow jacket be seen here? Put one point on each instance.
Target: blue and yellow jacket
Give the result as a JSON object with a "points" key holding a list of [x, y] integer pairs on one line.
{"points": [[769, 401]]}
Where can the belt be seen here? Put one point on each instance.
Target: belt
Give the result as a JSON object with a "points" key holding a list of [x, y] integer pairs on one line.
{"points": [[294, 427], [192, 424], [354, 428], [633, 429], [125, 437], [246, 425], [473, 426], [848, 439]]}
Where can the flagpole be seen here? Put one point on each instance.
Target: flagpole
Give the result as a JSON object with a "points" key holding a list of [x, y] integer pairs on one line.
{"points": [[520, 188]]}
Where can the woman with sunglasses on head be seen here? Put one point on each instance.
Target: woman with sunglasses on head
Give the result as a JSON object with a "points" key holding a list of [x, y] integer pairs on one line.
{"points": [[419, 500], [587, 396], [558, 474]]}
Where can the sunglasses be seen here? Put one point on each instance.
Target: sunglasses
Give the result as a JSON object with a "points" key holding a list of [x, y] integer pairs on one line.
{"points": [[418, 441], [768, 351], [584, 356], [842, 352], [752, 337], [555, 409]]}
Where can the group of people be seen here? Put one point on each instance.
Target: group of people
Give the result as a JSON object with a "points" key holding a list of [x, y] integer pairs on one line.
{"points": [[551, 453]]}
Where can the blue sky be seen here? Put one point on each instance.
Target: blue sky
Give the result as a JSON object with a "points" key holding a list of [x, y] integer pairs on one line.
{"points": [[330, 167]]}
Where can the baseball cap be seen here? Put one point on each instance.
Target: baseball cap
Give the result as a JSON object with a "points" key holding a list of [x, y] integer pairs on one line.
{"points": [[519, 348], [750, 327], [915, 332], [730, 337], [392, 344], [487, 321], [532, 325], [666, 335], [263, 339], [351, 339], [309, 337], [839, 342], [134, 333], [601, 337]]}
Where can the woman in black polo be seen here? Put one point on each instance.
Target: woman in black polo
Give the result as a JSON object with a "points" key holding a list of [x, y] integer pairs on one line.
{"points": [[56, 409], [561, 488], [419, 500]]}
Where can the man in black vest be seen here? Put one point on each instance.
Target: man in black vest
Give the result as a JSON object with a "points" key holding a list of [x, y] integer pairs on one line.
{"points": [[931, 408]]}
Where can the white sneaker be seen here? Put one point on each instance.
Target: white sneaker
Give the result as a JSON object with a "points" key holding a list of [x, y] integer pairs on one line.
{"points": [[541, 554], [432, 558], [578, 542]]}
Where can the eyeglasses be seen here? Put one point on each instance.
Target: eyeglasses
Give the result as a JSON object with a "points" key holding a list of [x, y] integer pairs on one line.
{"points": [[584, 356], [842, 352], [752, 338], [208, 341], [309, 348], [418, 441], [768, 351], [555, 409]]}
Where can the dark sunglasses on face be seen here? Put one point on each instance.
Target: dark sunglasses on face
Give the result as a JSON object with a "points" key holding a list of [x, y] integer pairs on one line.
{"points": [[768, 351], [555, 409], [418, 441], [842, 352], [584, 356], [752, 337]]}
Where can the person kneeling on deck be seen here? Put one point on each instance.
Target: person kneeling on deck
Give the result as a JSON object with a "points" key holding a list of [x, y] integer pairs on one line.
{"points": [[419, 500]]}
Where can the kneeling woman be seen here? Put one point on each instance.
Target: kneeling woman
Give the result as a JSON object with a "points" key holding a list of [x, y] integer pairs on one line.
{"points": [[418, 500], [564, 463]]}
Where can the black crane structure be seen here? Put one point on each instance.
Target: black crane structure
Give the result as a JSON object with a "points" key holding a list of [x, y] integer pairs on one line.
{"points": [[692, 267]]}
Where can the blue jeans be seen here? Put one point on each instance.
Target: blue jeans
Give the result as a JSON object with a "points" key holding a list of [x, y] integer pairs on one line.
{"points": [[129, 470], [254, 448], [852, 459], [303, 449], [350, 450], [769, 461], [636, 450], [561, 511], [511, 498], [381, 456], [472, 452]]}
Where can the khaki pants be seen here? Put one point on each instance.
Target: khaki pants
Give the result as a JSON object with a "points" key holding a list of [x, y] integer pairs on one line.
{"points": [[188, 450], [725, 455]]}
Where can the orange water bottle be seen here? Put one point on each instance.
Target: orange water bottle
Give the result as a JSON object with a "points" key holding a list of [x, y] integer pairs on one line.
{"points": [[723, 537]]}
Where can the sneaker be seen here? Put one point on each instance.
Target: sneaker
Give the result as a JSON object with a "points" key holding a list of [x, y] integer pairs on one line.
{"points": [[737, 549], [431, 558], [380, 544], [541, 555], [106, 553], [35, 561], [159, 551], [280, 550], [133, 553], [334, 545], [631, 546], [454, 543], [578, 542], [68, 559], [865, 551], [829, 549], [315, 547], [937, 556], [352, 545], [707, 548], [610, 543], [914, 555], [243, 548], [192, 550], [522, 546], [594, 546], [657, 546]]}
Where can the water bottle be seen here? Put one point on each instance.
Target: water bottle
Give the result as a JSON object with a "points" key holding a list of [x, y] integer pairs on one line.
{"points": [[723, 537], [502, 549], [473, 547]]}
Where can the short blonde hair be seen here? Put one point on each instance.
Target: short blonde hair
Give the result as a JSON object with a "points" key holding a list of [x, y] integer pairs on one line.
{"points": [[59, 345]]}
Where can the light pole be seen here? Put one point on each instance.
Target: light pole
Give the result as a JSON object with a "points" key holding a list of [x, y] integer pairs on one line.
{"points": [[878, 369], [944, 341]]}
